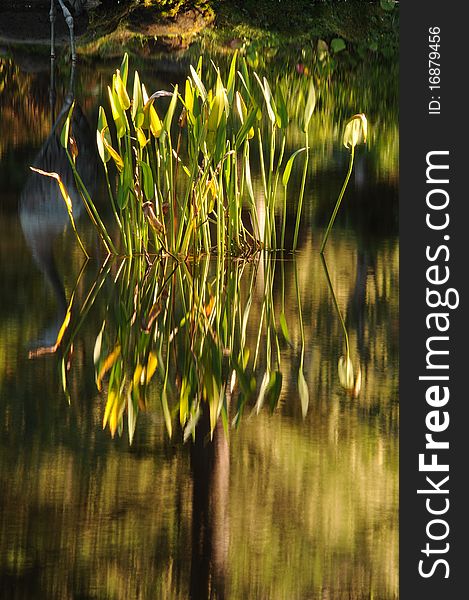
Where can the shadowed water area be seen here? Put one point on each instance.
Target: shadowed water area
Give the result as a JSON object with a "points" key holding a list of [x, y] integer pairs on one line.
{"points": [[282, 502]]}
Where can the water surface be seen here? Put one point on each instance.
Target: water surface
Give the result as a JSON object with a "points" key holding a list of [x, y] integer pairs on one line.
{"points": [[286, 507]]}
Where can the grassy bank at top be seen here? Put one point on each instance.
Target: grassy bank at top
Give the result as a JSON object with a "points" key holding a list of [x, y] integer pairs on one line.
{"points": [[147, 26]]}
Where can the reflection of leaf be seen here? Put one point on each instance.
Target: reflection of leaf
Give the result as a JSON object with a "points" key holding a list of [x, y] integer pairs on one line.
{"points": [[131, 416], [304, 392], [110, 360], [274, 389], [270, 389], [98, 345], [166, 413], [284, 327], [347, 378], [262, 391], [152, 363]]}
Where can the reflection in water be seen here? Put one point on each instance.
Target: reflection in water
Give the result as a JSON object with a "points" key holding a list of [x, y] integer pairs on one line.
{"points": [[350, 379], [281, 507], [42, 210], [210, 461]]}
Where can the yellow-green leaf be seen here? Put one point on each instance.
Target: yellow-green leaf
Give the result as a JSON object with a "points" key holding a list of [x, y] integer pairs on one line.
{"points": [[289, 165]]}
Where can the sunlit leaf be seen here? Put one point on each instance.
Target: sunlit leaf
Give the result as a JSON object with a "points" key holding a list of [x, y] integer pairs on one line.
{"points": [[282, 112], [141, 137], [103, 134], [64, 136], [68, 202], [124, 70], [267, 97], [121, 91], [310, 104], [230, 86], [117, 113], [137, 102], [156, 126], [289, 165], [247, 130], [171, 109], [115, 155], [198, 84]]}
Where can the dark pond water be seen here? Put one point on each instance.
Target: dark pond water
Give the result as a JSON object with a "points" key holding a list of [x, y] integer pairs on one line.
{"points": [[284, 507]]}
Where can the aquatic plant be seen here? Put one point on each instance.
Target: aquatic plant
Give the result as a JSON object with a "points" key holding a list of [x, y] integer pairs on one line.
{"points": [[356, 131], [184, 186]]}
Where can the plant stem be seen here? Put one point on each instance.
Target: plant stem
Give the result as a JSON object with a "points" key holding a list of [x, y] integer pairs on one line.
{"points": [[302, 192]]}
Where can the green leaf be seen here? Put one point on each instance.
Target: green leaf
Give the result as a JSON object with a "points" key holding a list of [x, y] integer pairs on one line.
{"points": [[230, 86], [337, 45], [267, 97], [117, 112], [115, 155], [66, 128], [304, 393], [289, 165], [172, 107], [125, 68], [121, 91], [245, 130], [282, 111], [148, 184], [102, 136], [198, 84], [137, 102]]}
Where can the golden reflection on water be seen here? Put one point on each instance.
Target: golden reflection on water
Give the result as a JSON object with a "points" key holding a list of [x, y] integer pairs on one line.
{"points": [[297, 509]]}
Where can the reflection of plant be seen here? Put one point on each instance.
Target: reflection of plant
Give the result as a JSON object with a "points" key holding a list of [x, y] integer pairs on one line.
{"points": [[178, 331], [348, 379]]}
